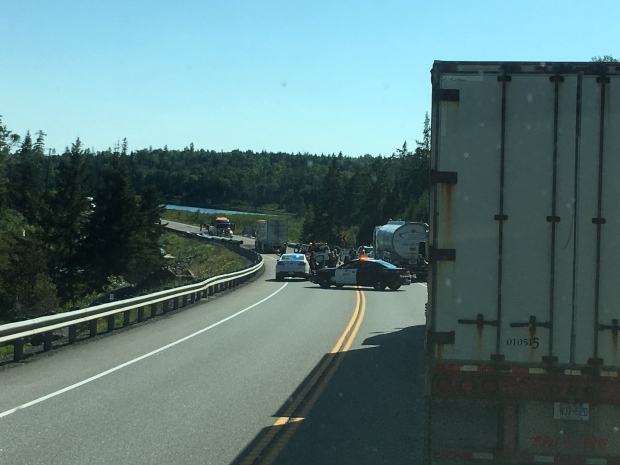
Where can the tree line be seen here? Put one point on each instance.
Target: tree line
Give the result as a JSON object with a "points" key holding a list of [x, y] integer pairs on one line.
{"points": [[75, 223]]}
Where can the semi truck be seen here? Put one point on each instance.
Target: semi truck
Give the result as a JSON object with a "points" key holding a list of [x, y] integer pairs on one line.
{"points": [[522, 355], [221, 226], [403, 244], [271, 236]]}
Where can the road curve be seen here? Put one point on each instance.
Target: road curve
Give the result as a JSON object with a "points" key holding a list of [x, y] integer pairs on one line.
{"points": [[208, 383]]}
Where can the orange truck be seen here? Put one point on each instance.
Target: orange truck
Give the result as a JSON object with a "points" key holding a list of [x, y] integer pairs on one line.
{"points": [[221, 227]]}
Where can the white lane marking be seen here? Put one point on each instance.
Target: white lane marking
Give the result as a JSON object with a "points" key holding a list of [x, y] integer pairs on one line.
{"points": [[131, 362]]}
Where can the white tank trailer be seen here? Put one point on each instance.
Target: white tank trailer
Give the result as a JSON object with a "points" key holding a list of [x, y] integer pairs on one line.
{"points": [[404, 244]]}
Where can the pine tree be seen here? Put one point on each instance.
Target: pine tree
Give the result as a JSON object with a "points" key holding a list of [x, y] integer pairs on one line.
{"points": [[111, 241], [69, 211], [25, 181], [148, 232]]}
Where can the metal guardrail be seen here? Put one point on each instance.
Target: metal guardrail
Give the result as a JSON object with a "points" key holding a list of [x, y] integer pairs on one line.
{"points": [[17, 332]]}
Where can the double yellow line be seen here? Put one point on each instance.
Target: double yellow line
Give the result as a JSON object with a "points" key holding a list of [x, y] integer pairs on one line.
{"points": [[273, 441]]}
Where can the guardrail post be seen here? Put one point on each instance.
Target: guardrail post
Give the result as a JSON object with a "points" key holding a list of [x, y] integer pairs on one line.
{"points": [[176, 303], [126, 317], [198, 296], [185, 300], [210, 291], [110, 323], [140, 314], [47, 341], [153, 310], [72, 334], [18, 349], [92, 327], [165, 309], [192, 298]]}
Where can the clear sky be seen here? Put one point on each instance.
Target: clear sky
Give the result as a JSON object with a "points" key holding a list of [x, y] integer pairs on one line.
{"points": [[294, 76]]}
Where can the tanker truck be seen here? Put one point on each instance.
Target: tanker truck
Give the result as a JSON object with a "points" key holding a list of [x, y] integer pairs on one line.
{"points": [[403, 244]]}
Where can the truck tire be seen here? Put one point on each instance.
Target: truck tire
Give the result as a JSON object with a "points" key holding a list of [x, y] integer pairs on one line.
{"points": [[324, 283], [394, 287], [279, 277]]}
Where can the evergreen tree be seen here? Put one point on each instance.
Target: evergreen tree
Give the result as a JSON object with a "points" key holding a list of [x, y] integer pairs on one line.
{"points": [[30, 289], [148, 231], [39, 145], [70, 208], [111, 241], [332, 206], [25, 185]]}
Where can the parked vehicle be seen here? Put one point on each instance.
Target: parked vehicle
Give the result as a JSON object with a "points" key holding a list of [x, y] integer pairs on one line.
{"points": [[523, 359], [271, 236], [403, 243], [364, 272], [292, 265]]}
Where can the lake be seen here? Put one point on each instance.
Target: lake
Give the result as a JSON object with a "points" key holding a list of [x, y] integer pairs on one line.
{"points": [[209, 210]]}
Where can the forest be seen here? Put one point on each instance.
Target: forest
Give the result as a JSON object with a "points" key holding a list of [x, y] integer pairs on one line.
{"points": [[74, 224]]}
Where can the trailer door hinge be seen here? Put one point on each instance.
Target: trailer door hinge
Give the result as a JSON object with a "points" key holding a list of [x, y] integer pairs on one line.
{"points": [[532, 323], [440, 337], [446, 95], [479, 321], [443, 177], [441, 255]]}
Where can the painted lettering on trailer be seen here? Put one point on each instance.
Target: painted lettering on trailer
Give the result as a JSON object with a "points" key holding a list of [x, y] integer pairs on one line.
{"points": [[523, 342], [571, 443]]}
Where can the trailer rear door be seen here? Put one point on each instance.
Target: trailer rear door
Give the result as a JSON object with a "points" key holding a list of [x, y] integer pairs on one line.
{"points": [[525, 222]]}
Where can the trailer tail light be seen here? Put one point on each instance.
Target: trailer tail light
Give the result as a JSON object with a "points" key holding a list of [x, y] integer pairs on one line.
{"points": [[467, 386], [489, 387]]}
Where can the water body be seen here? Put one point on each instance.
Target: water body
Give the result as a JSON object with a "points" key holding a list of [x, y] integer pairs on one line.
{"points": [[209, 210]]}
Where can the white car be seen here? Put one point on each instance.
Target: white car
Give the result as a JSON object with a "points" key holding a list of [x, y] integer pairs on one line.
{"points": [[292, 265]]}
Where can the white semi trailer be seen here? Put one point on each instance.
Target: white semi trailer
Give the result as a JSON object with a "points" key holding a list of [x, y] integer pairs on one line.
{"points": [[523, 359]]}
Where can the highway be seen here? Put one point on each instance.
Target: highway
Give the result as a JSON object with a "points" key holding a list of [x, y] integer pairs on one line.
{"points": [[282, 373]]}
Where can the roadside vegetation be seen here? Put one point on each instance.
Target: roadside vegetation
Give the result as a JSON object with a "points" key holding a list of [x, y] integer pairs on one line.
{"points": [[81, 223], [202, 261]]}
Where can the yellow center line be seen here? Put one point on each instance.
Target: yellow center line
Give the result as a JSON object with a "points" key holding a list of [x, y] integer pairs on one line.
{"points": [[287, 423]]}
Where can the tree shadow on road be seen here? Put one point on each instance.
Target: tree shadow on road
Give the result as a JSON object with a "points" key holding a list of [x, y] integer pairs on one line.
{"points": [[371, 411]]}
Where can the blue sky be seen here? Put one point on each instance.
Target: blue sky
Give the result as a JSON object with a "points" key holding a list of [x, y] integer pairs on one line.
{"points": [[292, 76]]}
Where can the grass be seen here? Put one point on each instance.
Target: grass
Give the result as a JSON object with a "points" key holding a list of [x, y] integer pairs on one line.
{"points": [[203, 260]]}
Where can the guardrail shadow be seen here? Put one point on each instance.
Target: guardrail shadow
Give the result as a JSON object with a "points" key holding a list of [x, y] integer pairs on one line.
{"points": [[370, 412]]}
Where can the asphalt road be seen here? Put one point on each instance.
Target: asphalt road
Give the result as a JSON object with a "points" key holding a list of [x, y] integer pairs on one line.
{"points": [[284, 373]]}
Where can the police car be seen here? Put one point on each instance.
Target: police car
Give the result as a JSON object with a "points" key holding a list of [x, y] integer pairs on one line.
{"points": [[292, 265], [364, 272]]}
